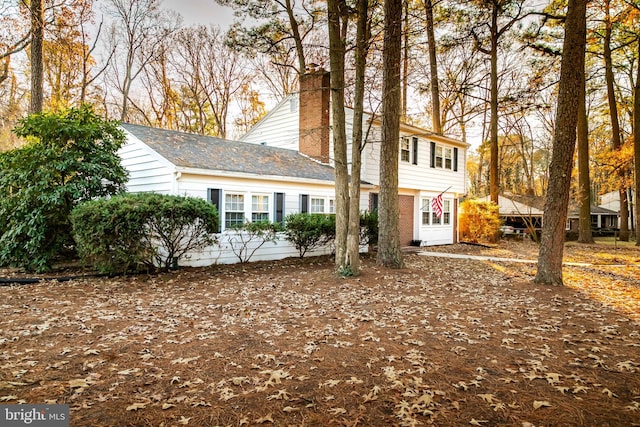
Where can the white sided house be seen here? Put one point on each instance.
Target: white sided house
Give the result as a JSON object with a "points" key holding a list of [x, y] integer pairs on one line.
{"points": [[246, 182], [429, 164]]}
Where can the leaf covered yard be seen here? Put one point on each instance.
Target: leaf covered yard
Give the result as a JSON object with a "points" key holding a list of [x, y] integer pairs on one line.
{"points": [[447, 342]]}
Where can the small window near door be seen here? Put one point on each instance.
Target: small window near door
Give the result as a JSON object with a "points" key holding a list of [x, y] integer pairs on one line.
{"points": [[426, 211], [446, 212]]}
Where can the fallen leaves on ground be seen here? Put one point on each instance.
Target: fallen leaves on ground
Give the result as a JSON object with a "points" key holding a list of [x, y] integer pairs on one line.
{"points": [[442, 342]]}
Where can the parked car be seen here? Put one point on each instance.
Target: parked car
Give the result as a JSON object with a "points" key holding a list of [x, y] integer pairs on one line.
{"points": [[507, 229]]}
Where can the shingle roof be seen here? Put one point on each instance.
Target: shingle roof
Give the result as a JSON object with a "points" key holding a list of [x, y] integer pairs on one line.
{"points": [[574, 211], [209, 153]]}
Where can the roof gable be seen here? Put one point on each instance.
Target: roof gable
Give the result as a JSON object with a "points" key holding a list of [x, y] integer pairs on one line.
{"points": [[186, 150]]}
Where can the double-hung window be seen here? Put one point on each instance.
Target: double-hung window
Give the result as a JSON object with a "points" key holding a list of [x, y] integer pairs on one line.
{"points": [[435, 219], [446, 212], [448, 157], [317, 205], [444, 157], [439, 156], [429, 217], [426, 211], [233, 210], [332, 206], [405, 150], [259, 207]]}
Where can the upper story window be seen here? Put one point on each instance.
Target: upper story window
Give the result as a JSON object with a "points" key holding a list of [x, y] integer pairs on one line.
{"points": [[259, 207], [444, 157], [233, 210], [409, 150], [405, 150]]}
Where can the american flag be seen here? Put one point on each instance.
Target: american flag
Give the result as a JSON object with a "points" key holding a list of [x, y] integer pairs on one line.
{"points": [[436, 205]]}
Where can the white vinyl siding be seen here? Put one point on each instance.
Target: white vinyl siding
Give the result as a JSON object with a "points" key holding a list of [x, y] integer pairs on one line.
{"points": [[279, 128], [148, 171]]}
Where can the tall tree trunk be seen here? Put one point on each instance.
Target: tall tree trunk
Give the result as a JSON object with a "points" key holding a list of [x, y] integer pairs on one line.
{"points": [[336, 57], [353, 236], [389, 251], [433, 69], [494, 173], [405, 61], [636, 145], [37, 39], [616, 141], [584, 181], [564, 141]]}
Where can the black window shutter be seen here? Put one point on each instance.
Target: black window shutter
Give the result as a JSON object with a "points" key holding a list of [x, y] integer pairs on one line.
{"points": [[415, 150], [304, 203], [279, 207], [455, 159], [214, 195], [373, 202], [433, 154]]}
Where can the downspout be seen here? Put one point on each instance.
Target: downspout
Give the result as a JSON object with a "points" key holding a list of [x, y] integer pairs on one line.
{"points": [[174, 182]]}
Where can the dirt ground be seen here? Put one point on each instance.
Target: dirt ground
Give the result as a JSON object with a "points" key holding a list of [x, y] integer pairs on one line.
{"points": [[445, 342]]}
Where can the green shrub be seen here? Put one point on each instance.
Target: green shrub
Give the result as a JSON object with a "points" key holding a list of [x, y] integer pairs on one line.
{"points": [[369, 227], [255, 234], [70, 157], [142, 231], [479, 221], [307, 231]]}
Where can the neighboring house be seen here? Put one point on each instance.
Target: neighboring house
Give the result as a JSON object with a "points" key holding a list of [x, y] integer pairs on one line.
{"points": [[244, 181], [518, 215], [611, 201], [429, 164], [601, 218]]}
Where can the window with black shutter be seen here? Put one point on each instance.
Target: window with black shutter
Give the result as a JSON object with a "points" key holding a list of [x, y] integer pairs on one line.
{"points": [[433, 154], [304, 203], [214, 196], [415, 151], [278, 214], [455, 159]]}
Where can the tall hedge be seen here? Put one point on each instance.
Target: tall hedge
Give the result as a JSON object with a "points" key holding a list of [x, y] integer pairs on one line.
{"points": [[70, 157], [142, 231]]}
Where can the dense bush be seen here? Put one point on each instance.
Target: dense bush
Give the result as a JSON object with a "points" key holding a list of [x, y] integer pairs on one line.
{"points": [[308, 231], [479, 221], [244, 240], [70, 157], [143, 230], [369, 227]]}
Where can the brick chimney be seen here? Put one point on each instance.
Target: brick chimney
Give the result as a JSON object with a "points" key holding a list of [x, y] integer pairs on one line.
{"points": [[314, 113]]}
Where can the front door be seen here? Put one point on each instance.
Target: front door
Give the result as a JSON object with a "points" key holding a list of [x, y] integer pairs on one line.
{"points": [[406, 219]]}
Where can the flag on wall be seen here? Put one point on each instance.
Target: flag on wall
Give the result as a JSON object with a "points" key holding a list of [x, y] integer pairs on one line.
{"points": [[436, 205]]}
